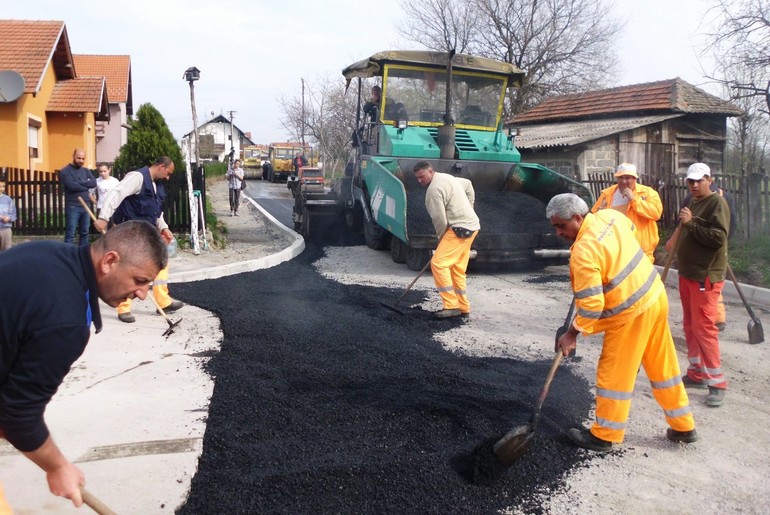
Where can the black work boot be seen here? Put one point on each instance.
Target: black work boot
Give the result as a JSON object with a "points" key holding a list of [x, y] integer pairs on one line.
{"points": [[682, 436], [585, 439]]}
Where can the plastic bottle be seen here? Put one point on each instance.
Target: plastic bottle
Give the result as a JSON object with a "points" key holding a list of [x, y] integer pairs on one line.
{"points": [[171, 248]]}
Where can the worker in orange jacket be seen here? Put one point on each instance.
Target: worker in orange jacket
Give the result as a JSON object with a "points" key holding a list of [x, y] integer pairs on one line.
{"points": [[641, 204], [619, 292]]}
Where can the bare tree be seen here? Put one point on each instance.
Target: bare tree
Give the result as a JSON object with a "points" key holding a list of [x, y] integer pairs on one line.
{"points": [[562, 46], [328, 119], [743, 39], [440, 25]]}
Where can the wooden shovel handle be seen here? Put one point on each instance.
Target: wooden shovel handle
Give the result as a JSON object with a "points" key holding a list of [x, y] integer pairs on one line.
{"points": [[94, 503], [88, 210]]}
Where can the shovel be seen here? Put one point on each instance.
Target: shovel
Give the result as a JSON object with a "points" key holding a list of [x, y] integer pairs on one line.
{"points": [[171, 325], [394, 307], [515, 443], [756, 333], [94, 503]]}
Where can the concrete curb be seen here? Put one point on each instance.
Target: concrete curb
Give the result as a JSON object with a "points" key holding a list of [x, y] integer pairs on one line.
{"points": [[753, 294], [215, 272]]}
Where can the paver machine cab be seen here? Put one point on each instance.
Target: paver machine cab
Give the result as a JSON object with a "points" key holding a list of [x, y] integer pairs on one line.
{"points": [[445, 108]]}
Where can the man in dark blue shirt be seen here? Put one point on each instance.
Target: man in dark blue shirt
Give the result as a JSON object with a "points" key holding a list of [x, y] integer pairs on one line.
{"points": [[77, 181], [45, 325]]}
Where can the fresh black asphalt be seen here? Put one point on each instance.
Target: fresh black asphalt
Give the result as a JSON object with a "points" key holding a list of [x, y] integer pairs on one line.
{"points": [[325, 402]]}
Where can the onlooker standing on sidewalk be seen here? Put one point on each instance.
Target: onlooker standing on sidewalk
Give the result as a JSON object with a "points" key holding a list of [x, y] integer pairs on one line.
{"points": [[104, 184], [449, 201], [641, 204], [235, 180], [140, 196], [77, 181], [701, 258], [619, 293], [45, 325], [7, 217]]}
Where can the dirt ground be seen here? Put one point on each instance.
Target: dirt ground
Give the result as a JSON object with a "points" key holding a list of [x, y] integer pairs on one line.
{"points": [[515, 316]]}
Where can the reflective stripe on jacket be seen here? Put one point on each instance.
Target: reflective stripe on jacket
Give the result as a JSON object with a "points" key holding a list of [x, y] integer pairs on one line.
{"points": [[611, 277], [644, 211]]}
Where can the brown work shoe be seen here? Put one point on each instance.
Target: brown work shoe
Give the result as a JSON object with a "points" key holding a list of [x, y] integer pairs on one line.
{"points": [[127, 318], [174, 306], [447, 313]]}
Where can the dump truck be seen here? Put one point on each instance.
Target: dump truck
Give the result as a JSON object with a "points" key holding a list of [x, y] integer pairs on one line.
{"points": [[447, 109], [281, 155]]}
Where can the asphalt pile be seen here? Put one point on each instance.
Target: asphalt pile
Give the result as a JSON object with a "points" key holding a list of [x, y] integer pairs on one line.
{"points": [[325, 402]]}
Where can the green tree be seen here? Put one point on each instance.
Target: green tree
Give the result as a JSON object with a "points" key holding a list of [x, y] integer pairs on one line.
{"points": [[148, 139]]}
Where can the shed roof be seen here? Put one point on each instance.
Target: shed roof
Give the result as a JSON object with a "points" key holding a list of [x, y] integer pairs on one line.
{"points": [[666, 96], [576, 132], [28, 46]]}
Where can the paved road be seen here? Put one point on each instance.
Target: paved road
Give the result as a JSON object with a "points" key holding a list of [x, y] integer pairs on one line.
{"points": [[275, 198]]}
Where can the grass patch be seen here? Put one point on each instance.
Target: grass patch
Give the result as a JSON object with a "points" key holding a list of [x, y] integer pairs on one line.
{"points": [[750, 261]]}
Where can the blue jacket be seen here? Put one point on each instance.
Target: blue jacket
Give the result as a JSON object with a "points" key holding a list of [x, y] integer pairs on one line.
{"points": [[146, 205], [50, 299], [76, 182]]}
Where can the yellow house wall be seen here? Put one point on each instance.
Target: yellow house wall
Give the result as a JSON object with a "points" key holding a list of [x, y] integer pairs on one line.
{"points": [[60, 133]]}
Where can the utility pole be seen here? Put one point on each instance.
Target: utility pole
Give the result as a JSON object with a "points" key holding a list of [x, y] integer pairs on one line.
{"points": [[302, 122], [191, 75], [232, 138]]}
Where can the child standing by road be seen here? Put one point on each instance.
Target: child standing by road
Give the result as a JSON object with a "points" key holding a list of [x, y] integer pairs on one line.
{"points": [[104, 183], [7, 217]]}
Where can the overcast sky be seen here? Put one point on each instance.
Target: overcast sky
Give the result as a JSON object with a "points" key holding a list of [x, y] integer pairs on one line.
{"points": [[250, 53]]}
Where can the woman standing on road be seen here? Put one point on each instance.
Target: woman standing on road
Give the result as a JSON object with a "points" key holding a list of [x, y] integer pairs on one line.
{"points": [[235, 178]]}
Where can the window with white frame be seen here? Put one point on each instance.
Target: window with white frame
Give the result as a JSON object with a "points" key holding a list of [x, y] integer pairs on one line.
{"points": [[34, 138]]}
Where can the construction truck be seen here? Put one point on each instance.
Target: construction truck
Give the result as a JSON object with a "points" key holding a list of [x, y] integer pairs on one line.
{"points": [[447, 109], [280, 156], [252, 158]]}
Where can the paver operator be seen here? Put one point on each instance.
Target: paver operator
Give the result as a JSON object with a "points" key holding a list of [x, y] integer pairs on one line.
{"points": [[449, 201], [140, 196], [641, 204], [45, 325], [619, 292]]}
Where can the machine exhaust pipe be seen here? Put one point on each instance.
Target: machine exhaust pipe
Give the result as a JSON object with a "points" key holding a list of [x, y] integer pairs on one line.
{"points": [[446, 133]]}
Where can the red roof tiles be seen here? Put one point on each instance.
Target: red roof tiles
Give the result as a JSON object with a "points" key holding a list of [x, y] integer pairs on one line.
{"points": [[115, 68], [83, 95], [28, 46]]}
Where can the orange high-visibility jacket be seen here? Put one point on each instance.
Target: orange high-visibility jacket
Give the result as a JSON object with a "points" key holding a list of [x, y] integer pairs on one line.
{"points": [[612, 279], [644, 211]]}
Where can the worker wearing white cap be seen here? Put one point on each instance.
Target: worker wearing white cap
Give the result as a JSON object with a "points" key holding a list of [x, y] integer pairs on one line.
{"points": [[641, 204], [701, 255]]}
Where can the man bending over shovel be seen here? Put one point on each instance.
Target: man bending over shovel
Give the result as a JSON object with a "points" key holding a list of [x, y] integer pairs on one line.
{"points": [[619, 292], [51, 293]]}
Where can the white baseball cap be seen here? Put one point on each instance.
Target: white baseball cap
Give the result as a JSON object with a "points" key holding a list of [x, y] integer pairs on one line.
{"points": [[697, 171], [626, 169]]}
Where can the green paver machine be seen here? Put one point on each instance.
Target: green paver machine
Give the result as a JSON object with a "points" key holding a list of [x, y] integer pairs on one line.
{"points": [[445, 108]]}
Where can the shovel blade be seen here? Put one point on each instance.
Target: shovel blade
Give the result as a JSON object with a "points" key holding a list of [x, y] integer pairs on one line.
{"points": [[514, 444], [392, 307], [756, 332]]}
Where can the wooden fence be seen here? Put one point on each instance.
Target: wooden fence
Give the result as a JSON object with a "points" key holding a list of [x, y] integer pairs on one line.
{"points": [[749, 198], [39, 201]]}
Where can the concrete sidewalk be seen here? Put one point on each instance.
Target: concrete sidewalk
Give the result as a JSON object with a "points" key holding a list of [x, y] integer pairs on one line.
{"points": [[132, 411]]}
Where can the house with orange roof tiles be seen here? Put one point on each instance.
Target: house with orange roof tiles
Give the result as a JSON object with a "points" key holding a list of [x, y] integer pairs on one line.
{"points": [[57, 110], [116, 69]]}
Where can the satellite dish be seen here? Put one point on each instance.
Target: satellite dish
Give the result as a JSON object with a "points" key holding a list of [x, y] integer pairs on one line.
{"points": [[11, 85]]}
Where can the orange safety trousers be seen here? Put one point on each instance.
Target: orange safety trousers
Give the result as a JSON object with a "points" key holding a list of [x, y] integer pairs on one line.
{"points": [[159, 290], [448, 264], [645, 340], [699, 317], [5, 508]]}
